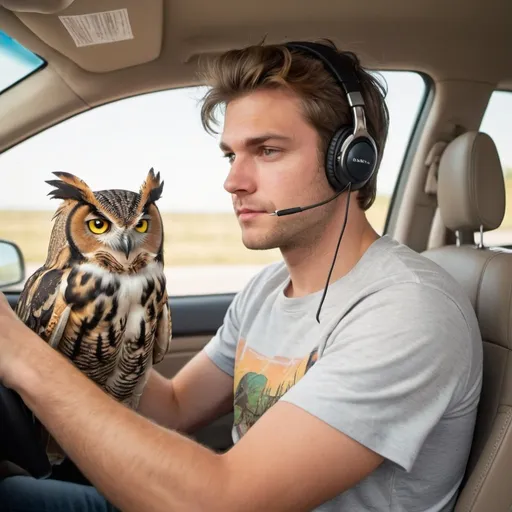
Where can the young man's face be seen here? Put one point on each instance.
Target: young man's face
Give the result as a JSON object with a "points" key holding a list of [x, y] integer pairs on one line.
{"points": [[274, 165]]}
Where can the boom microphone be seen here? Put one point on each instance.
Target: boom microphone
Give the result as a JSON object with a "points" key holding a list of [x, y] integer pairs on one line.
{"points": [[297, 209]]}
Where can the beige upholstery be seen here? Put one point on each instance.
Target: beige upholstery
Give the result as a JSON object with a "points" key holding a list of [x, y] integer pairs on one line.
{"points": [[471, 189], [471, 196], [39, 6]]}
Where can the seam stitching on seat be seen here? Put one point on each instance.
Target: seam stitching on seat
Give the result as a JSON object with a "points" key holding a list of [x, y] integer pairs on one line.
{"points": [[490, 460], [477, 299], [472, 179], [509, 305], [480, 279]]}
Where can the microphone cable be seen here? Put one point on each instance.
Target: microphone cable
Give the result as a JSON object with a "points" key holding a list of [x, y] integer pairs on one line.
{"points": [[349, 186]]}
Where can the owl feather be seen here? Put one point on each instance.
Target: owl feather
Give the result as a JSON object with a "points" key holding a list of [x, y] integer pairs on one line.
{"points": [[150, 191], [105, 310], [71, 187]]}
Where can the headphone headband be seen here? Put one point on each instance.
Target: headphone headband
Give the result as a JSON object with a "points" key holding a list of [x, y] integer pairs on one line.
{"points": [[339, 65]]}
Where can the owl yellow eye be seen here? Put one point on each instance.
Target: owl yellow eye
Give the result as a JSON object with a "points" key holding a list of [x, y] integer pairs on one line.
{"points": [[98, 226], [142, 226]]}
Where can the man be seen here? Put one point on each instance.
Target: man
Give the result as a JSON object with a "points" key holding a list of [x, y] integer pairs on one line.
{"points": [[361, 398]]}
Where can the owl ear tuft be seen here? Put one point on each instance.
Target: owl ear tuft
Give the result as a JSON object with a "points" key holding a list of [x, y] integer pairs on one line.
{"points": [[71, 187], [151, 190]]}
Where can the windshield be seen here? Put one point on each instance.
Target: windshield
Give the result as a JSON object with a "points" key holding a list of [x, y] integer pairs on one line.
{"points": [[16, 62]]}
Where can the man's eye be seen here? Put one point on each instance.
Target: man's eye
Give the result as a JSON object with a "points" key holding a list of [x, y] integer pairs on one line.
{"points": [[269, 151], [230, 157]]}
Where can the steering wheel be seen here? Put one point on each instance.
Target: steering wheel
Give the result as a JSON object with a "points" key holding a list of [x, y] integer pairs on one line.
{"points": [[19, 436]]}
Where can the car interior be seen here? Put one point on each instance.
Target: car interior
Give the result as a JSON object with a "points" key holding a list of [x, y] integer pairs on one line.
{"points": [[450, 200]]}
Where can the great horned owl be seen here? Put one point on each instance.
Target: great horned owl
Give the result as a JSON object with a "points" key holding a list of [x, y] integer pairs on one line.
{"points": [[100, 298]]}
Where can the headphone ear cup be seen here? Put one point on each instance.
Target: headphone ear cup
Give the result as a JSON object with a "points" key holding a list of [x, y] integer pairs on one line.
{"points": [[333, 169]]}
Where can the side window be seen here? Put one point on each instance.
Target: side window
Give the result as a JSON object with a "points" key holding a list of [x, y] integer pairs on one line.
{"points": [[406, 92], [496, 123], [114, 146]]}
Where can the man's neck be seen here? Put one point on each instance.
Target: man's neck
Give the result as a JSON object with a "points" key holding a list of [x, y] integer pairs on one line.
{"points": [[309, 267]]}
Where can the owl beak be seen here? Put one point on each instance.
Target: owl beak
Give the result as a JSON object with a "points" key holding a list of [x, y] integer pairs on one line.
{"points": [[126, 245]]}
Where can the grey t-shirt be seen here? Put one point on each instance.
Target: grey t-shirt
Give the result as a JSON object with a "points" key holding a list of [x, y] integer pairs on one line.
{"points": [[395, 363]]}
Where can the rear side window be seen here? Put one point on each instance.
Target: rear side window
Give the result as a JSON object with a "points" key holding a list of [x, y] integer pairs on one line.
{"points": [[496, 123], [16, 62]]}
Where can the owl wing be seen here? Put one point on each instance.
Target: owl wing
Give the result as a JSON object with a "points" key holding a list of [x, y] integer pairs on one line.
{"points": [[42, 307], [163, 326]]}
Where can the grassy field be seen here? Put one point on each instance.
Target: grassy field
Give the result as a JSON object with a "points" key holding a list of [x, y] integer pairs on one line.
{"points": [[191, 239]]}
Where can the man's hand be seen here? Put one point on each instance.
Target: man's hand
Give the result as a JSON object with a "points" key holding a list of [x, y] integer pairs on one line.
{"points": [[16, 340]]}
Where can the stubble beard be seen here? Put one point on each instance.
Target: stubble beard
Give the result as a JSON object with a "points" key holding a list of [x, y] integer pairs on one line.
{"points": [[300, 231]]}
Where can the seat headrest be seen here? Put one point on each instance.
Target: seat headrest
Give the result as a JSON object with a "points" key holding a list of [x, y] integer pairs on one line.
{"points": [[471, 186]]}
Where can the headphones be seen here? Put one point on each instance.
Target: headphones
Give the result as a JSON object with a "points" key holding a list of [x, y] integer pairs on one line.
{"points": [[351, 156]]}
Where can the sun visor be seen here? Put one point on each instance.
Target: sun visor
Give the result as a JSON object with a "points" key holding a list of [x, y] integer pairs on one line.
{"points": [[99, 35], [39, 6]]}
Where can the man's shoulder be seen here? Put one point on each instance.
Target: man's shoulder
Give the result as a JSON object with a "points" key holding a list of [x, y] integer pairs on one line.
{"points": [[395, 294], [397, 261], [409, 303], [393, 265]]}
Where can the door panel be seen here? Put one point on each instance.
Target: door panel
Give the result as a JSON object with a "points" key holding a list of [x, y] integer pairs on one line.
{"points": [[217, 435], [182, 350], [194, 321]]}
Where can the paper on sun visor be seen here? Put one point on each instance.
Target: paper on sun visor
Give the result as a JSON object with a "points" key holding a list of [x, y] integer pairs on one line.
{"points": [[99, 27]]}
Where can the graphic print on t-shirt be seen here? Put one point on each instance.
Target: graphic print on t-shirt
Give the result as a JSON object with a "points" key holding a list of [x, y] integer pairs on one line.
{"points": [[260, 382]]}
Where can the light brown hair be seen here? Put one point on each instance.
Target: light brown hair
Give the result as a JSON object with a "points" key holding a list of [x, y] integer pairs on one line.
{"points": [[325, 106]]}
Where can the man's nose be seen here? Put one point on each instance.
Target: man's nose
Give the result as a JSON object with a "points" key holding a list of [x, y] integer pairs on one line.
{"points": [[241, 176]]}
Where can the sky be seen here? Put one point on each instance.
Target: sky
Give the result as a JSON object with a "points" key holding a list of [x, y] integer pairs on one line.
{"points": [[114, 146]]}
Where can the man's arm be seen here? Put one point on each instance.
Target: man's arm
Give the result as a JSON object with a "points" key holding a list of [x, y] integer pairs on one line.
{"points": [[288, 461], [198, 394]]}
